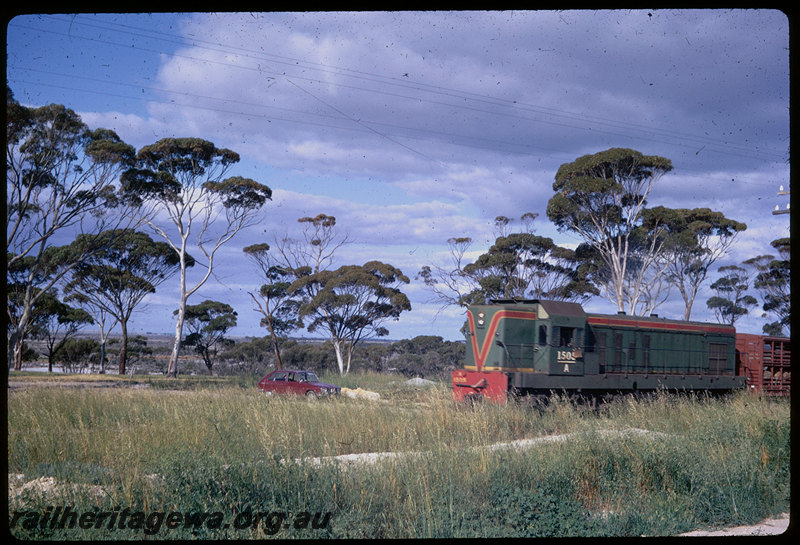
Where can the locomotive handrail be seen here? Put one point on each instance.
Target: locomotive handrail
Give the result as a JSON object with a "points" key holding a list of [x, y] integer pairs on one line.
{"points": [[477, 386]]}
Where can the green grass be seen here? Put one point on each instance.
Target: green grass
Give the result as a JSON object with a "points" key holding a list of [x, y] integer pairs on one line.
{"points": [[220, 446]]}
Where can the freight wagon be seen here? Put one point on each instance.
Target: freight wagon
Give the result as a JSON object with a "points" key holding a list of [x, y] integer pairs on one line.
{"points": [[765, 362], [538, 347]]}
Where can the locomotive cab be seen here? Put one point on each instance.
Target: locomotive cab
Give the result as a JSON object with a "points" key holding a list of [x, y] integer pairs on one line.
{"points": [[519, 342], [565, 346]]}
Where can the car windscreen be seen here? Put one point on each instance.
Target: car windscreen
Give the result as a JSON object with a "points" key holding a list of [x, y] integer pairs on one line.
{"points": [[311, 377]]}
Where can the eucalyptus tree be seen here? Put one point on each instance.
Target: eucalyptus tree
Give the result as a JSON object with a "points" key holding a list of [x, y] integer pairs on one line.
{"points": [[602, 197], [277, 307], [76, 354], [644, 286], [55, 322], [731, 301], [314, 249], [18, 283], [207, 324], [183, 179], [524, 265], [347, 304], [518, 265], [450, 285], [136, 350], [102, 318], [693, 240], [60, 179], [114, 281], [773, 282], [310, 253], [352, 303]]}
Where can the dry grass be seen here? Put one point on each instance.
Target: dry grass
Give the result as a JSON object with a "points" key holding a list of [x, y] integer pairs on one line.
{"points": [[221, 446]]}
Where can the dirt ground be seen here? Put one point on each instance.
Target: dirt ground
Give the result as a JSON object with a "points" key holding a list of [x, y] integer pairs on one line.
{"points": [[768, 527]]}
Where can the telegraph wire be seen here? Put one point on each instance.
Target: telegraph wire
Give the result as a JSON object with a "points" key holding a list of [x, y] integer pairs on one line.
{"points": [[451, 92], [456, 93], [358, 122], [361, 123]]}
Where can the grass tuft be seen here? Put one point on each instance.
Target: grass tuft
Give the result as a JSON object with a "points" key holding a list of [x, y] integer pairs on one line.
{"points": [[656, 466]]}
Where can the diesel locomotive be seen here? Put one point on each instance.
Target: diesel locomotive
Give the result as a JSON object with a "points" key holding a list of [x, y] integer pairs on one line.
{"points": [[539, 347]]}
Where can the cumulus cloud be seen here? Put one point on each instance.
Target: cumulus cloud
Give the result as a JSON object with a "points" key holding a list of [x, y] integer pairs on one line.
{"points": [[413, 127]]}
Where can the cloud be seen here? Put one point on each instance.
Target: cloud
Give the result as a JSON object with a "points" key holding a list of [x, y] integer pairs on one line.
{"points": [[414, 127]]}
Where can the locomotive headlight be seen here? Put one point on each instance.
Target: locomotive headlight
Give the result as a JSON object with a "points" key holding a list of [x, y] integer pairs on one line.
{"points": [[481, 316]]}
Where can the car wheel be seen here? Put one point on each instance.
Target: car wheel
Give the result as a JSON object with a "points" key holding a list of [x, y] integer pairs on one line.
{"points": [[268, 392], [311, 394]]}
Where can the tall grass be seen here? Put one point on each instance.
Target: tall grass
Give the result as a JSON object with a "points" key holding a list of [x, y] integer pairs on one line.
{"points": [[229, 449]]}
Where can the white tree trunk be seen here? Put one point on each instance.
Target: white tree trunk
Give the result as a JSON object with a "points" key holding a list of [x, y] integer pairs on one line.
{"points": [[103, 355], [337, 347], [172, 369]]}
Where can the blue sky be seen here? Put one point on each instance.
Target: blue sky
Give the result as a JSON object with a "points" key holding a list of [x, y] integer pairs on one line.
{"points": [[414, 127]]}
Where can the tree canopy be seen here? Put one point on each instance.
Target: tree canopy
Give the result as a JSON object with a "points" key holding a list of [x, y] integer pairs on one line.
{"points": [[601, 197], [60, 177], [115, 280], [352, 303], [56, 322], [274, 302], [208, 323], [693, 240], [773, 282], [524, 265], [731, 301], [519, 265], [184, 178]]}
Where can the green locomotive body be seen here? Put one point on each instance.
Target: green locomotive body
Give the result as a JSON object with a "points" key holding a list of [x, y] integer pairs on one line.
{"points": [[538, 346]]}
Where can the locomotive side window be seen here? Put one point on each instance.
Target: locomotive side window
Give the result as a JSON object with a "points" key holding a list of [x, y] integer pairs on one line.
{"points": [[542, 335], [566, 336]]}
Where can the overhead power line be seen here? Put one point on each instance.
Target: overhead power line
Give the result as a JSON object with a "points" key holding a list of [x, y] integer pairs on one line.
{"points": [[513, 109]]}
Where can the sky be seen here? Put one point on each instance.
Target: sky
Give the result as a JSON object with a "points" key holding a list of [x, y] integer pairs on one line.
{"points": [[414, 127]]}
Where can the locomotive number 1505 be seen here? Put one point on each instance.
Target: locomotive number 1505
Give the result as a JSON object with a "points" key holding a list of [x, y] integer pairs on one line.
{"points": [[565, 356]]}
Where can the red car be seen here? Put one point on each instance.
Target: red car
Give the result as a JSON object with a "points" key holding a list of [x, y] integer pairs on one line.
{"points": [[290, 381]]}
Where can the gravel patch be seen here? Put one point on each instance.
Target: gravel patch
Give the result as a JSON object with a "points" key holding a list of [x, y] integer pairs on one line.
{"points": [[369, 458], [768, 527], [419, 382]]}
